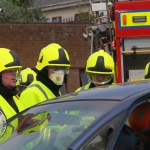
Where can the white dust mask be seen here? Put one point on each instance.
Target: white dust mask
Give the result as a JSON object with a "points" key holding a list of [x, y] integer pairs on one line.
{"points": [[57, 77]]}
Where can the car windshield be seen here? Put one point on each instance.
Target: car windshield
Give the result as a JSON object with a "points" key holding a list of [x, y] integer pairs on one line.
{"points": [[53, 126]]}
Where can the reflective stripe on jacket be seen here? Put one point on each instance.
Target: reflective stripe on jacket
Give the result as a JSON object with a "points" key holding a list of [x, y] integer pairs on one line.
{"points": [[35, 93], [9, 112], [85, 87], [7, 109]]}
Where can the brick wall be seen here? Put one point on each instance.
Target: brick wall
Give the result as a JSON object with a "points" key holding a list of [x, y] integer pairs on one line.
{"points": [[28, 39]]}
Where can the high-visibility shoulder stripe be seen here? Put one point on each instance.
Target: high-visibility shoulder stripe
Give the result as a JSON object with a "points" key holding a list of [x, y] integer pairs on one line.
{"points": [[85, 87], [82, 88], [39, 87]]}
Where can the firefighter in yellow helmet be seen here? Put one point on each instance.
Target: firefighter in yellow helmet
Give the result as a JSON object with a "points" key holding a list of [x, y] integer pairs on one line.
{"points": [[27, 77], [99, 70], [10, 105], [9, 72], [52, 65], [147, 71]]}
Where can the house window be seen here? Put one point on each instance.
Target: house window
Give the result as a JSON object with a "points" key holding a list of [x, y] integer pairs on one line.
{"points": [[76, 17], [57, 19]]}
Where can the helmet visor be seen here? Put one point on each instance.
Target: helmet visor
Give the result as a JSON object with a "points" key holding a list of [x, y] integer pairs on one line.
{"points": [[100, 79]]}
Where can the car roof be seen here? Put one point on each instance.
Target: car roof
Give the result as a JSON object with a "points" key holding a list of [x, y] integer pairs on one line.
{"points": [[111, 92], [114, 92]]}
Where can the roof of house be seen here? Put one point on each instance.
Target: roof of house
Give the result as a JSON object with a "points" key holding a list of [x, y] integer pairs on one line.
{"points": [[49, 2], [57, 4]]}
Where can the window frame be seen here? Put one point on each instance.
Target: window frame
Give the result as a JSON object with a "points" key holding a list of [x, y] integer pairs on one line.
{"points": [[55, 18], [89, 139], [114, 136]]}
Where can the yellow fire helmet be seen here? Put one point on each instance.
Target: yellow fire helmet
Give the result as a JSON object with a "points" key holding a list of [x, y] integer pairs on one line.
{"points": [[27, 76], [100, 62], [147, 71], [53, 55], [9, 60]]}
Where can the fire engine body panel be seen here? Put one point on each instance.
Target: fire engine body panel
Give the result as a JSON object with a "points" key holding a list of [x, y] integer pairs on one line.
{"points": [[132, 26], [129, 45], [123, 30]]}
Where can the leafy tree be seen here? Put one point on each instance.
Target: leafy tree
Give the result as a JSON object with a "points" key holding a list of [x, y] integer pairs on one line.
{"points": [[12, 13], [25, 4], [17, 11], [28, 3]]}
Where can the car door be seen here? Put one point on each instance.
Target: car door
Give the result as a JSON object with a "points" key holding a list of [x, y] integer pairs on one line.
{"points": [[100, 139], [137, 120], [108, 135]]}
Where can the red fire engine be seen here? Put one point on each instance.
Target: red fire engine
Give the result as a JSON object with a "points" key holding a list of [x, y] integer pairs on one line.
{"points": [[122, 28], [124, 33], [132, 25]]}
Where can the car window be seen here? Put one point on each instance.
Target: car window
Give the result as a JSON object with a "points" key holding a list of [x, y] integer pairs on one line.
{"points": [[55, 126], [105, 134], [135, 132], [100, 141]]}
